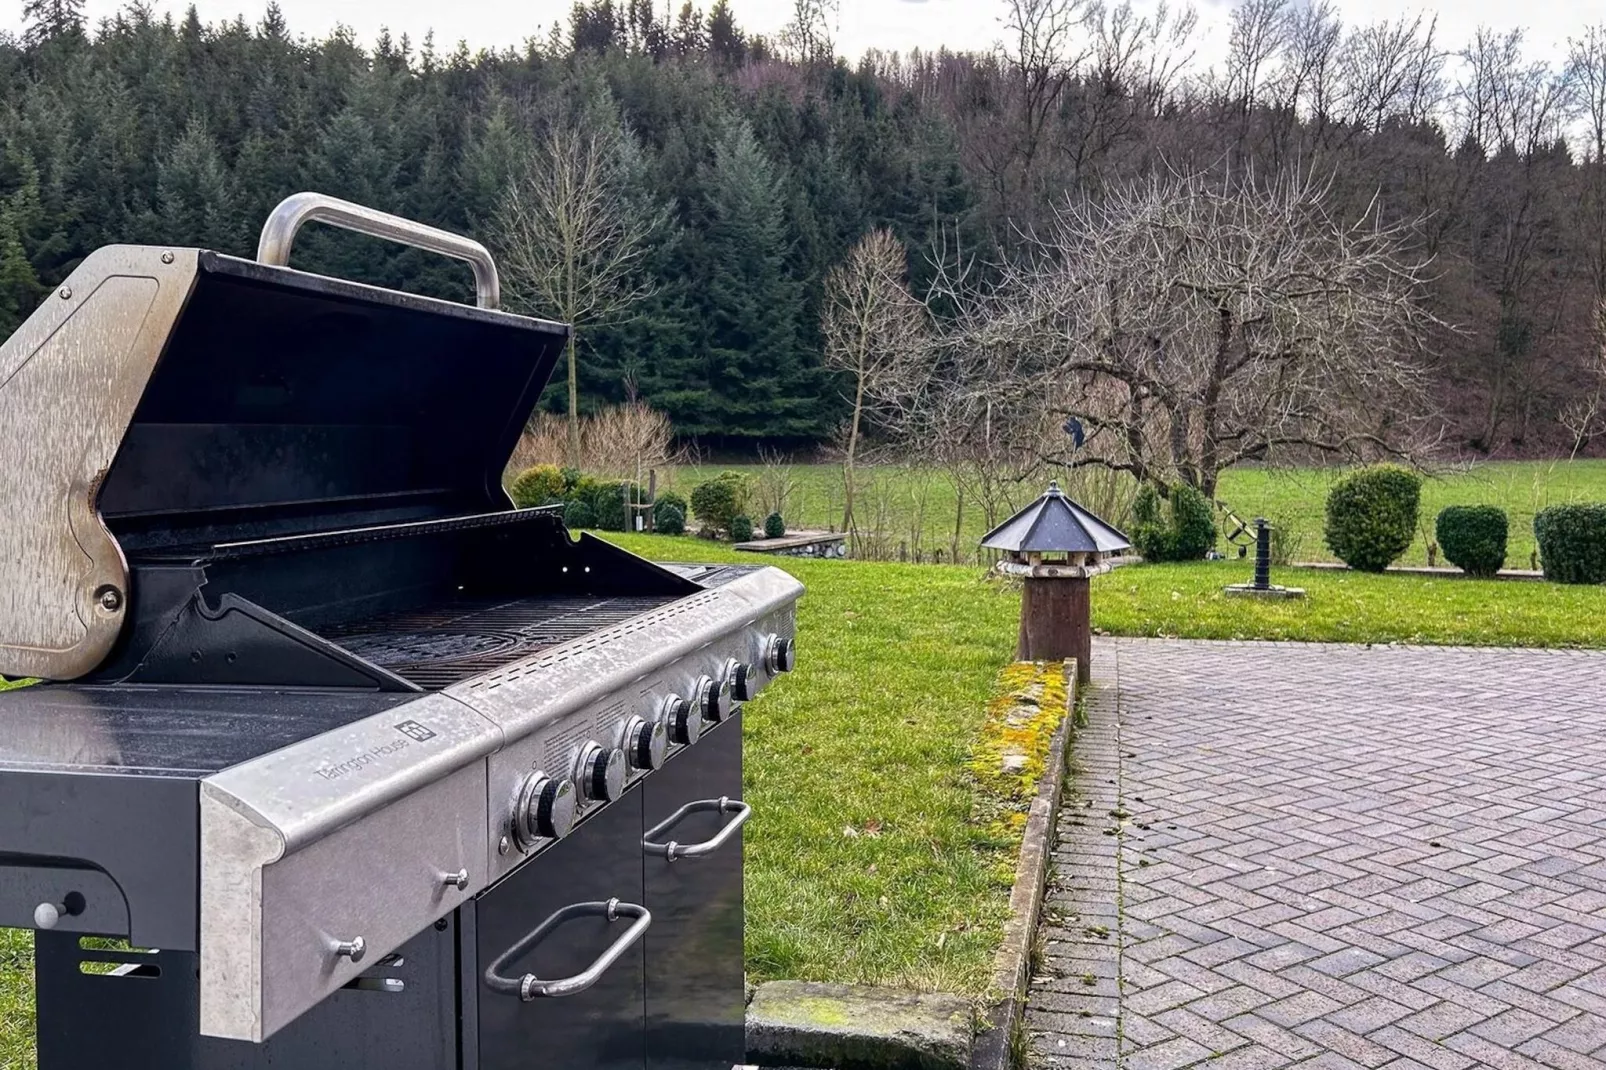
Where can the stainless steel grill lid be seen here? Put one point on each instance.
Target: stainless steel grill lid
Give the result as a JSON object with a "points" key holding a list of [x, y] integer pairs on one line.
{"points": [[166, 397]]}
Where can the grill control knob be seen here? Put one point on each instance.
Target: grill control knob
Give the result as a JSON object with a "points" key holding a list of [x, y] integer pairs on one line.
{"points": [[646, 743], [740, 677], [684, 723], [601, 773], [780, 654], [712, 698], [546, 809]]}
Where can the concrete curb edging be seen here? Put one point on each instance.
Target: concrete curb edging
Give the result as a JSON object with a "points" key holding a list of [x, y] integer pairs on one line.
{"points": [[992, 1048], [794, 1023]]}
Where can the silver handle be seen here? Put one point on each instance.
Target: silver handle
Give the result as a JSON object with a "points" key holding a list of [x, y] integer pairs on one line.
{"points": [[529, 987], [672, 850], [279, 234]]}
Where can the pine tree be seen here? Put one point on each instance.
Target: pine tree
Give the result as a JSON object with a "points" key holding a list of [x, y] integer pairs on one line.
{"points": [[195, 197], [19, 286], [49, 20], [760, 378]]}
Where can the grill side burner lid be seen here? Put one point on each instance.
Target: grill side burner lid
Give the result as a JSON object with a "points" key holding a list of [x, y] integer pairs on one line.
{"points": [[169, 397]]}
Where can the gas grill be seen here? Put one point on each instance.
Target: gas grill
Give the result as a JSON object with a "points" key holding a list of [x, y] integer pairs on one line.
{"points": [[342, 761]]}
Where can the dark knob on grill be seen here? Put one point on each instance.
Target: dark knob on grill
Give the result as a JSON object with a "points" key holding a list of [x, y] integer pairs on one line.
{"points": [[712, 697], [602, 773], [740, 677], [646, 743], [780, 654], [547, 809], [684, 723]]}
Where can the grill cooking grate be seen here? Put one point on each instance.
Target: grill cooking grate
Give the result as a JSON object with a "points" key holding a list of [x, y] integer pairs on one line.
{"points": [[437, 646]]}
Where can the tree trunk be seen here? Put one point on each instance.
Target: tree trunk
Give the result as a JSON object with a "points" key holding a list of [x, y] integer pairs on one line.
{"points": [[847, 467], [574, 407]]}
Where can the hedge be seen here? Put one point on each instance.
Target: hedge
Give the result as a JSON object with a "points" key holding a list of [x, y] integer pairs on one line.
{"points": [[1572, 542]]}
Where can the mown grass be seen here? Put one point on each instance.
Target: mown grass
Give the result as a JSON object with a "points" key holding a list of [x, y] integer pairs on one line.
{"points": [[1186, 601], [913, 500], [16, 1000], [864, 863]]}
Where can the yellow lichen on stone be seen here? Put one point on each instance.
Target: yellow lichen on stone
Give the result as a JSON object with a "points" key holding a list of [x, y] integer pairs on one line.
{"points": [[1011, 751]]}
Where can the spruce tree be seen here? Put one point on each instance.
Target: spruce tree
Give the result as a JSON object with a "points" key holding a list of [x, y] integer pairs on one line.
{"points": [[49, 20], [19, 286]]}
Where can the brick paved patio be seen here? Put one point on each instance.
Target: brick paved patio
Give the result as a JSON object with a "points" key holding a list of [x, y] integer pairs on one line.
{"points": [[1330, 856]]}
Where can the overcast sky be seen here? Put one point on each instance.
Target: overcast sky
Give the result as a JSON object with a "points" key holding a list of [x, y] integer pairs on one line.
{"points": [[891, 25]]}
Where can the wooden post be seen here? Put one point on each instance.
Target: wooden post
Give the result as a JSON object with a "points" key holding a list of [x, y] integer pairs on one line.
{"points": [[1056, 623]]}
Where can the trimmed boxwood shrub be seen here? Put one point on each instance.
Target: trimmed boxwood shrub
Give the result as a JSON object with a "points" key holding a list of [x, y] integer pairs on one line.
{"points": [[1179, 528], [717, 501], [774, 526], [667, 500], [579, 514], [669, 519], [1473, 538], [1572, 542], [741, 528], [537, 486], [1371, 515], [608, 502]]}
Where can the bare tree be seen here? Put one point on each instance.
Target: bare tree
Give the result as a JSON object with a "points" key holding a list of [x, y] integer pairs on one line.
{"points": [[875, 331], [573, 237], [809, 36], [1189, 324]]}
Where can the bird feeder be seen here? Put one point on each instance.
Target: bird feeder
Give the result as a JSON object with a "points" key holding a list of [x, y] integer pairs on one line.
{"points": [[1056, 547]]}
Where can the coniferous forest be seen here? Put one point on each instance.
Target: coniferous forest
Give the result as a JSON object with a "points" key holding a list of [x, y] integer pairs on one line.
{"points": [[762, 161]]}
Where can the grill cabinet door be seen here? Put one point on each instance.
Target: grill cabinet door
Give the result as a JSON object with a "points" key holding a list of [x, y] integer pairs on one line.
{"points": [[695, 995], [600, 1028]]}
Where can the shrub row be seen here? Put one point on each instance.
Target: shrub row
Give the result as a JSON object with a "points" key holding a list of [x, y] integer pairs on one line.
{"points": [[1372, 515], [720, 503]]}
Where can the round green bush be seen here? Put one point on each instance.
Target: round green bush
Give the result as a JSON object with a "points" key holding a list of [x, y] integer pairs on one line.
{"points": [[1572, 542], [1371, 516], [1473, 538], [1181, 527], [669, 519], [741, 528], [717, 501], [578, 514], [537, 485], [774, 526], [667, 500]]}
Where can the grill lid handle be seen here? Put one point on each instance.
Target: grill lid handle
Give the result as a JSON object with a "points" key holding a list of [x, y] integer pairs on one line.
{"points": [[279, 235]]}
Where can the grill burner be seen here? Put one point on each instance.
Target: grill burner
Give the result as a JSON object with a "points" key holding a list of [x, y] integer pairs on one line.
{"points": [[440, 645]]}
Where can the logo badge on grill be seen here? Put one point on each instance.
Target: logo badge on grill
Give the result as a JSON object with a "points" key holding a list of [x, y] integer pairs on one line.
{"points": [[415, 731]]}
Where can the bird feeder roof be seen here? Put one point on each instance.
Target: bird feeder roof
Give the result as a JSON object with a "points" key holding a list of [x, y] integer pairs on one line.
{"points": [[1054, 524]]}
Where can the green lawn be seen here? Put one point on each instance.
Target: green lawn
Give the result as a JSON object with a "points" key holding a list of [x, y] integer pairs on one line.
{"points": [[863, 861], [1348, 607], [917, 506]]}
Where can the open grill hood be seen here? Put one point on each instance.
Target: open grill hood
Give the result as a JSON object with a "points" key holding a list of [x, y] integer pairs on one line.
{"points": [[171, 398]]}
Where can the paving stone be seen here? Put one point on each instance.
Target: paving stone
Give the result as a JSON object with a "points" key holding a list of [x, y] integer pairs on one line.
{"points": [[1381, 857]]}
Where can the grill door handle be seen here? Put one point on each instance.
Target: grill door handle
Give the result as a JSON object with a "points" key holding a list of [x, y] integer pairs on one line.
{"points": [[671, 850], [279, 234], [529, 987]]}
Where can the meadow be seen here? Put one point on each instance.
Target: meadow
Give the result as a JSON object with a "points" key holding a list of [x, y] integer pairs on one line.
{"points": [[916, 506]]}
